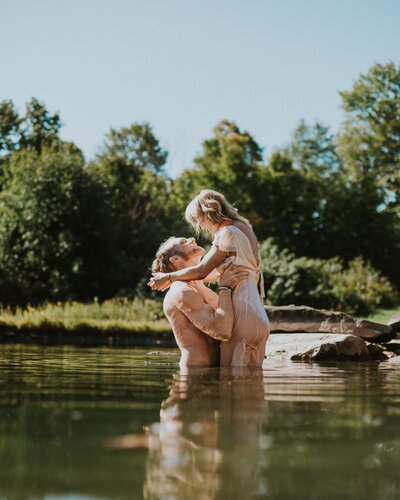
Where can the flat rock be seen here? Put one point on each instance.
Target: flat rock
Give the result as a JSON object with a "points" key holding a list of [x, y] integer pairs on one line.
{"points": [[310, 320], [379, 352], [393, 346], [323, 347], [394, 323]]}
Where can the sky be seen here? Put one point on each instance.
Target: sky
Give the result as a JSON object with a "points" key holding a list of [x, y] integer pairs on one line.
{"points": [[183, 65]]}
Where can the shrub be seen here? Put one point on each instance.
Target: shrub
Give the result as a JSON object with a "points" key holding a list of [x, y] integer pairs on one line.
{"points": [[357, 288], [360, 288]]}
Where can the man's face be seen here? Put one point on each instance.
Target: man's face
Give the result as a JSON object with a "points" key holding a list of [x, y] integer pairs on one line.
{"points": [[189, 248]]}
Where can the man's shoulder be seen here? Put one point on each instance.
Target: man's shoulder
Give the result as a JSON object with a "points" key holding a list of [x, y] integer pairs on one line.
{"points": [[180, 291]]}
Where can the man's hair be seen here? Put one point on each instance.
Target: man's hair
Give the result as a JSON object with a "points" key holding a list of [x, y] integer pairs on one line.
{"points": [[161, 263]]}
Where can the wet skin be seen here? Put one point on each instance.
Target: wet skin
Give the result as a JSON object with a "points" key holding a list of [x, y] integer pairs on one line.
{"points": [[199, 318]]}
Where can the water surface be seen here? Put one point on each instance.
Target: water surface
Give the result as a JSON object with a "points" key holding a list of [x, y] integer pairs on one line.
{"points": [[127, 423]]}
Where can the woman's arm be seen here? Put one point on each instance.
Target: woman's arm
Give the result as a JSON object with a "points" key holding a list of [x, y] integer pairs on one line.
{"points": [[213, 259]]}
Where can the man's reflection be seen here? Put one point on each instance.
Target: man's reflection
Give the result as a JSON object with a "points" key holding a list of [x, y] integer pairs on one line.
{"points": [[207, 444]]}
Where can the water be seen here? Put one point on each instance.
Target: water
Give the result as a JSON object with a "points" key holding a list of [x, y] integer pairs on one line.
{"points": [[126, 423]]}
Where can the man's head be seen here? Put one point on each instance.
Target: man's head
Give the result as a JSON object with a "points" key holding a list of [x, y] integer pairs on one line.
{"points": [[177, 253]]}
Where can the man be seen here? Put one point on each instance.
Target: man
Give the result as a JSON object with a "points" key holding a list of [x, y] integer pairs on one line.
{"points": [[199, 317]]}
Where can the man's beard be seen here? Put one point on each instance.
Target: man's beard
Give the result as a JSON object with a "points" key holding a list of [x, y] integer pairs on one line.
{"points": [[196, 252]]}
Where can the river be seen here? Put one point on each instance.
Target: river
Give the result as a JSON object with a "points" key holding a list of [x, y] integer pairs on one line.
{"points": [[82, 423]]}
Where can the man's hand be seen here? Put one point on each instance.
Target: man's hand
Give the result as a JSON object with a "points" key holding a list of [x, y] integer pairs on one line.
{"points": [[232, 275]]}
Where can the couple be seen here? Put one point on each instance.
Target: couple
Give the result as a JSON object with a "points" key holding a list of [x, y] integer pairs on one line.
{"points": [[231, 328]]}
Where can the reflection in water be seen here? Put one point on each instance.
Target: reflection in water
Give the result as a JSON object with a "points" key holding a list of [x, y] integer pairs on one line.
{"points": [[209, 433], [72, 419]]}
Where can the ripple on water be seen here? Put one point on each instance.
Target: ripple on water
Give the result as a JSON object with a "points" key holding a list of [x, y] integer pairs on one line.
{"points": [[107, 422]]}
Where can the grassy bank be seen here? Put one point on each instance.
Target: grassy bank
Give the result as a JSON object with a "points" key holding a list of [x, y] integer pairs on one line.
{"points": [[383, 315], [116, 316]]}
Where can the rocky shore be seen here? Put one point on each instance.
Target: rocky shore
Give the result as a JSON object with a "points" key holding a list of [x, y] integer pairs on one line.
{"points": [[309, 320], [320, 335], [328, 347]]}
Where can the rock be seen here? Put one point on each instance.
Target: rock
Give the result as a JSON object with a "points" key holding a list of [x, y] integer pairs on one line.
{"points": [[320, 347], [310, 320], [394, 323], [393, 346], [371, 331], [379, 352]]}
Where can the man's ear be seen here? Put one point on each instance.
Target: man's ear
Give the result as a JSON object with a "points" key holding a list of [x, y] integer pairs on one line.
{"points": [[174, 259]]}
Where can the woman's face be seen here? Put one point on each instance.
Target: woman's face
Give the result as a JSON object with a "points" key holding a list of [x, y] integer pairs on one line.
{"points": [[207, 225]]}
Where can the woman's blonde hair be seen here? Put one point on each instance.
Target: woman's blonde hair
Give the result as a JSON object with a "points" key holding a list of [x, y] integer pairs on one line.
{"points": [[212, 206]]}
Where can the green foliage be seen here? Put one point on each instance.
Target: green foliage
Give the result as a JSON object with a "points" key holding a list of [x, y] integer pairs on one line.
{"points": [[53, 224], [307, 201], [286, 201], [312, 149], [357, 288], [112, 309], [39, 128], [116, 315], [9, 128], [370, 139], [142, 208], [228, 163], [296, 280], [34, 130], [383, 315], [369, 145], [361, 288], [72, 230], [132, 150]]}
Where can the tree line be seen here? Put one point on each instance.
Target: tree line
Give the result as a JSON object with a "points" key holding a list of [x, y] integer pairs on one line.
{"points": [[72, 229]]}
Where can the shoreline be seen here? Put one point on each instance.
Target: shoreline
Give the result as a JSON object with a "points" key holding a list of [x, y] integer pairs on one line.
{"points": [[89, 335], [119, 328], [143, 339]]}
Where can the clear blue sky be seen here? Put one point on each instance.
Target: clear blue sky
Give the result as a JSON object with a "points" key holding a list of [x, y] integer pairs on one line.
{"points": [[183, 65]]}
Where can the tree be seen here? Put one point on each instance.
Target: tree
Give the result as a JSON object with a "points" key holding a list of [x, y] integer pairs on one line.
{"points": [[287, 203], [312, 149], [369, 145], [228, 163], [369, 141], [34, 130], [56, 236], [136, 148], [39, 128], [9, 128], [131, 165]]}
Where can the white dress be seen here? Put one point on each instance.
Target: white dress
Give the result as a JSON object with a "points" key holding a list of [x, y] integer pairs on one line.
{"points": [[251, 325]]}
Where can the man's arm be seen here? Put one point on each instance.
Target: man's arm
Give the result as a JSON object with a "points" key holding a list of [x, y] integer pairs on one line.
{"points": [[212, 277], [217, 323], [210, 296]]}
